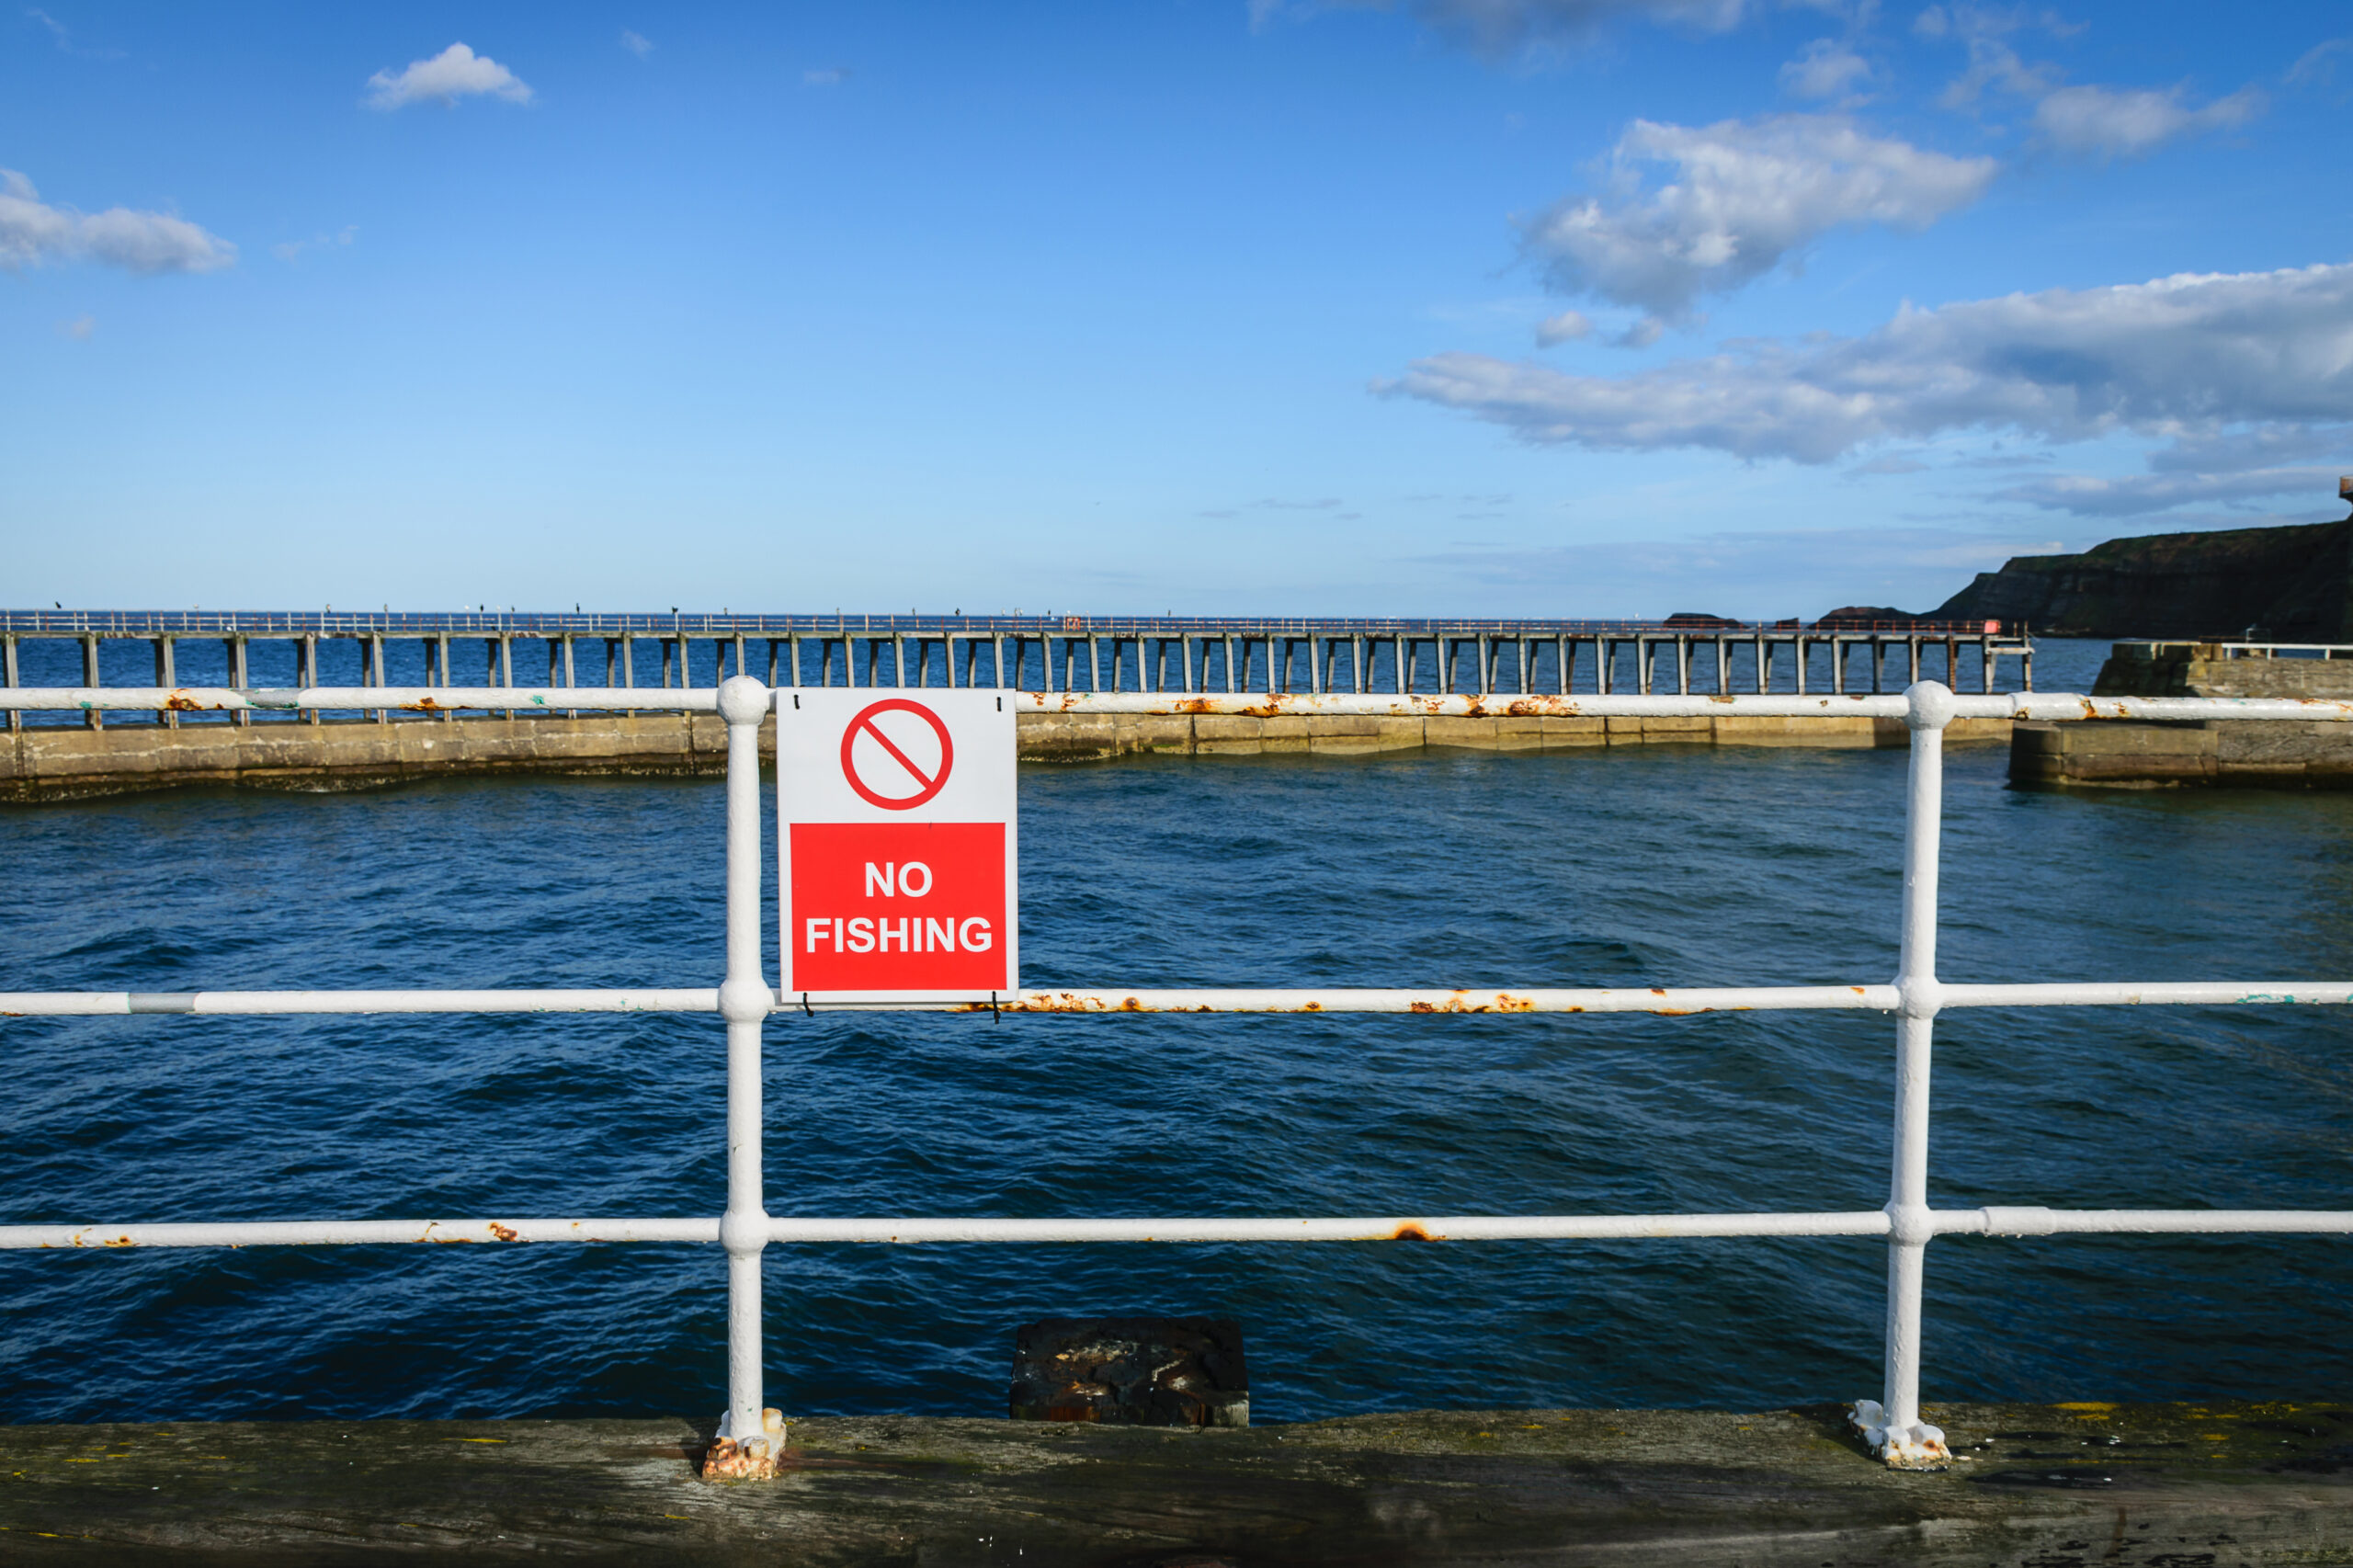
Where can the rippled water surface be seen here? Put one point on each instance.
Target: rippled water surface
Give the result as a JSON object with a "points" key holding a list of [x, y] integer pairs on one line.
{"points": [[1665, 866]]}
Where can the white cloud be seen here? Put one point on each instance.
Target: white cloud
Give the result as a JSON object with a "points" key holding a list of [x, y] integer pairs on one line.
{"points": [[1741, 197], [80, 329], [2192, 356], [1640, 334], [1499, 27], [1505, 26], [2222, 452], [292, 249], [637, 43], [2124, 122], [1764, 574], [825, 76], [2317, 65], [1566, 327], [32, 231], [2089, 119], [456, 73], [2091, 497], [1824, 69], [63, 37]]}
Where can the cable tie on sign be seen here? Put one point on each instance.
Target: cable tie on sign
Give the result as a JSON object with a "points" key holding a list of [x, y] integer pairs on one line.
{"points": [[994, 1017], [804, 1005]]}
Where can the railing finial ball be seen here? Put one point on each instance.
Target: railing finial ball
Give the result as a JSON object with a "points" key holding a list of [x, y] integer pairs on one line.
{"points": [[1932, 707], [742, 701]]}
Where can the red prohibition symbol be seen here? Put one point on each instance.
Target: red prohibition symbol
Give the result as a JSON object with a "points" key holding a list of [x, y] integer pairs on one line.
{"points": [[927, 784]]}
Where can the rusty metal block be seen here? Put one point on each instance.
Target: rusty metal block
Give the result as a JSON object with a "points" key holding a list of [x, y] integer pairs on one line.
{"points": [[1136, 1371]]}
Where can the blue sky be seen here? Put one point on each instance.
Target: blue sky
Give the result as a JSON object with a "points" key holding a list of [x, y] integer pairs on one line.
{"points": [[1526, 307]]}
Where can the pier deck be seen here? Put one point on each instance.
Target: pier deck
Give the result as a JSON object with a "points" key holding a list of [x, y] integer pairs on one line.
{"points": [[2135, 1486], [1176, 655]]}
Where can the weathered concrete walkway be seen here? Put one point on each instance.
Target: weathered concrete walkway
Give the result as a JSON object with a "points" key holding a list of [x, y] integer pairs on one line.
{"points": [[2066, 1487]]}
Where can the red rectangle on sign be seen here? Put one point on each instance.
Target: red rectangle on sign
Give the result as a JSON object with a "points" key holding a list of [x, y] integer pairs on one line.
{"points": [[898, 906]]}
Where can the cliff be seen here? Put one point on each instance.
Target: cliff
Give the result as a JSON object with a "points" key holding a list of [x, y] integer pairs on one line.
{"points": [[2289, 582]]}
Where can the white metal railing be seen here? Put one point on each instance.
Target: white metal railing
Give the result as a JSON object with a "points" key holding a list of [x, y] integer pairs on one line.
{"points": [[2239, 648], [744, 998]]}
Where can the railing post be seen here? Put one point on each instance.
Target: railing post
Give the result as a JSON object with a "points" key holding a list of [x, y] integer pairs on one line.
{"points": [[756, 1435], [1893, 1426]]}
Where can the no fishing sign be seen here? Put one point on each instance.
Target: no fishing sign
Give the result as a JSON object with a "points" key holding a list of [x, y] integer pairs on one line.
{"points": [[895, 845]]}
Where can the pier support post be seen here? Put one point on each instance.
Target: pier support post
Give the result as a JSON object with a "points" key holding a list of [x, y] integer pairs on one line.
{"points": [[166, 678], [8, 674], [1893, 1426], [239, 676], [91, 718], [745, 999]]}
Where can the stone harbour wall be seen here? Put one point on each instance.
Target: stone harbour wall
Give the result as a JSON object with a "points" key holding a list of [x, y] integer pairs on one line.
{"points": [[47, 762], [1056, 737], [2249, 753]]}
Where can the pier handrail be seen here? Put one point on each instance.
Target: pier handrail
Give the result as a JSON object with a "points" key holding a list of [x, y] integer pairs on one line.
{"points": [[143, 623], [2012, 705], [2238, 647], [1234, 655], [744, 998]]}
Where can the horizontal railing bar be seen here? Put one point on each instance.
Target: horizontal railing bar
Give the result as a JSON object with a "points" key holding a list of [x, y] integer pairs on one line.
{"points": [[1456, 705], [1660, 999], [1665, 1000], [354, 1232], [788, 1230], [2171, 993], [1413, 1228], [1626, 705], [413, 699], [2066, 706], [1999, 1222], [2056, 706], [85, 1004]]}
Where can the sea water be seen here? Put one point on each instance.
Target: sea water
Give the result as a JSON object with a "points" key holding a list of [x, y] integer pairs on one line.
{"points": [[1649, 866]]}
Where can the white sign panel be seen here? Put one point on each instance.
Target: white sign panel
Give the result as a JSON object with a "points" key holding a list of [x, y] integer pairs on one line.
{"points": [[895, 837]]}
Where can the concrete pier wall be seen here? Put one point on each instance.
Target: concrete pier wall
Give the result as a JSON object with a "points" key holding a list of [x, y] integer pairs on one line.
{"points": [[61, 763], [1079, 737], [2243, 753]]}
